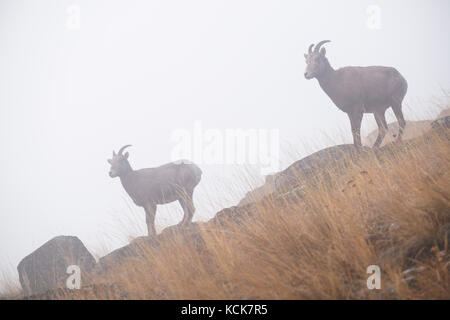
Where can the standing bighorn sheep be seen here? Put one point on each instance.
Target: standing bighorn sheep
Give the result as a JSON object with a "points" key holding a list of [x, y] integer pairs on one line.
{"points": [[152, 186], [359, 90]]}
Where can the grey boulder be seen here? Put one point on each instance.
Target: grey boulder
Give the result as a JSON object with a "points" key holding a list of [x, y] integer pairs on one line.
{"points": [[46, 268]]}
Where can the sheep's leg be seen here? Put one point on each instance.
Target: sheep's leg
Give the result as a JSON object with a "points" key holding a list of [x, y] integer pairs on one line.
{"points": [[355, 123], [401, 121], [187, 204], [382, 127], [150, 213]]}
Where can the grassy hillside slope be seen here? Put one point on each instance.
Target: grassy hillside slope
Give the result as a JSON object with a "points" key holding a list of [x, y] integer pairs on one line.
{"points": [[389, 208]]}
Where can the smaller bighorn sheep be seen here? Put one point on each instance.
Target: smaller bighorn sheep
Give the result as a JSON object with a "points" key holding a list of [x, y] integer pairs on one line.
{"points": [[359, 90], [152, 186]]}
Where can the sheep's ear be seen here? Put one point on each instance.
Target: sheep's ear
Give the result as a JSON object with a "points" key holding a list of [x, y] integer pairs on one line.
{"points": [[323, 52], [306, 56], [126, 155], [109, 161]]}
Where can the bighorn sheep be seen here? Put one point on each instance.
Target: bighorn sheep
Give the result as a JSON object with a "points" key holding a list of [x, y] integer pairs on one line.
{"points": [[359, 90], [152, 186]]}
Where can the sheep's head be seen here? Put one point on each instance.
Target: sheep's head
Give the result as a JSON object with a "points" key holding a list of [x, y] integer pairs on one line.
{"points": [[316, 62], [119, 163]]}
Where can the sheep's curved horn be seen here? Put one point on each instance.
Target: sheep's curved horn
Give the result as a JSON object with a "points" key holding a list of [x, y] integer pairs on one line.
{"points": [[310, 48], [123, 148], [316, 49]]}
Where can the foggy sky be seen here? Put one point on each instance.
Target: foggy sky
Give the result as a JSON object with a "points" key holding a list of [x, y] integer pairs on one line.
{"points": [[136, 71]]}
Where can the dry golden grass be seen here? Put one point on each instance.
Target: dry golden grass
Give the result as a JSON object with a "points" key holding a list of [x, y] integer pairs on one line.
{"points": [[390, 208], [10, 289]]}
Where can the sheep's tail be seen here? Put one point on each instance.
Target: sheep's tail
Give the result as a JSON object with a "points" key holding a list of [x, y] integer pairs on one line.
{"points": [[195, 170], [197, 173]]}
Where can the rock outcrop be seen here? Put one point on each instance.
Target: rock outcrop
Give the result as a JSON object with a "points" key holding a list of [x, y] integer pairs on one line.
{"points": [[305, 171], [45, 268], [140, 246], [441, 123], [444, 113], [412, 130]]}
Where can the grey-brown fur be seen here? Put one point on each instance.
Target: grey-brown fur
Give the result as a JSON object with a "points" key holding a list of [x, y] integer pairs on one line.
{"points": [[359, 90], [152, 186]]}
